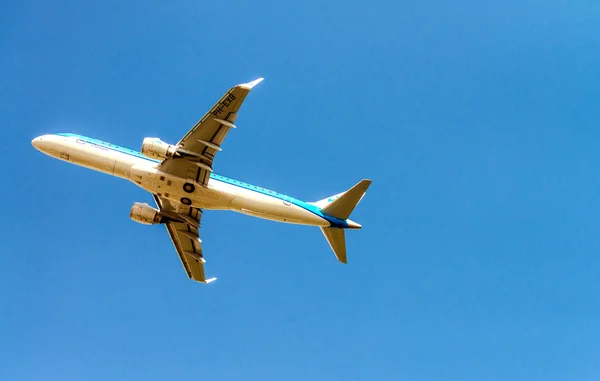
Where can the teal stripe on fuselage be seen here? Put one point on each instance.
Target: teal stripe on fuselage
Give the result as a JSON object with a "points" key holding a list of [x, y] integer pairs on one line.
{"points": [[335, 222], [110, 146]]}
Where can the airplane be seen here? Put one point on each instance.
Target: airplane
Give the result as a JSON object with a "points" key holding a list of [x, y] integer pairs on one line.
{"points": [[183, 184]]}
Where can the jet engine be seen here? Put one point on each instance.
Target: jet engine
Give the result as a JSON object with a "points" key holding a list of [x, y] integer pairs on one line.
{"points": [[155, 148], [145, 214]]}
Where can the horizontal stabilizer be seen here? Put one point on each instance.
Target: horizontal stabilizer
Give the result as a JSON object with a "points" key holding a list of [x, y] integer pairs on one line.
{"points": [[345, 204], [337, 240]]}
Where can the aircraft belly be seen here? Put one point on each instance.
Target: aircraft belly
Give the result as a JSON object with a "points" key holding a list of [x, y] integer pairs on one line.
{"points": [[80, 154], [178, 189], [207, 198], [272, 208]]}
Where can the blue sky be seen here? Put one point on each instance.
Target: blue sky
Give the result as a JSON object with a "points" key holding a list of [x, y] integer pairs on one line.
{"points": [[478, 258]]}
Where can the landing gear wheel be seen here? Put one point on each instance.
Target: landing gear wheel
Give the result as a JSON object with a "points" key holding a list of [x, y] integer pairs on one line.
{"points": [[186, 201], [189, 188]]}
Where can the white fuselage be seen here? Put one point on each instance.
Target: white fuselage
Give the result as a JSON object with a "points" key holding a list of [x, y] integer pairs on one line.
{"points": [[220, 193]]}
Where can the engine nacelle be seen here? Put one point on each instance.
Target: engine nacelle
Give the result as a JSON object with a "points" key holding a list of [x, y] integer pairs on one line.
{"points": [[155, 148], [145, 214]]}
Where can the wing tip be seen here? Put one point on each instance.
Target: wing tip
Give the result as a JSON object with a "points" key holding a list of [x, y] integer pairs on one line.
{"points": [[250, 85], [207, 281]]}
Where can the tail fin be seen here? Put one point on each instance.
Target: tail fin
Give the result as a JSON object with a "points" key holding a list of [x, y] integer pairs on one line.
{"points": [[337, 240], [342, 206], [326, 201]]}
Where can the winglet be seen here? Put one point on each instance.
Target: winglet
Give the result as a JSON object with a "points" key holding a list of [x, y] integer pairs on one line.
{"points": [[207, 281], [250, 85]]}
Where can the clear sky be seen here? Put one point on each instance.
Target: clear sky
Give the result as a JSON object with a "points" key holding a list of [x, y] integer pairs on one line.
{"points": [[479, 257]]}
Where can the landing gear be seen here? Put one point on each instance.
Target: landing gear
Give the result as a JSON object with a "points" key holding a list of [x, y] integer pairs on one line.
{"points": [[186, 201], [189, 188]]}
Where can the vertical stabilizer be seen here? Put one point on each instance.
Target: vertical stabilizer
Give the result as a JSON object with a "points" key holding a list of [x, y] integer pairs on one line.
{"points": [[337, 240], [342, 206], [326, 201]]}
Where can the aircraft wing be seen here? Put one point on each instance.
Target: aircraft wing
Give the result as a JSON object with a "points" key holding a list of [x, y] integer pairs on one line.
{"points": [[184, 232], [200, 145]]}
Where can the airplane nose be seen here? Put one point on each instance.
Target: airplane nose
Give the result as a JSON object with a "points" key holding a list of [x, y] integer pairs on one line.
{"points": [[37, 142]]}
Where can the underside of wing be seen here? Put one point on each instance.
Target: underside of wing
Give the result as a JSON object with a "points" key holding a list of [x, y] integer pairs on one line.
{"points": [[198, 148], [183, 226]]}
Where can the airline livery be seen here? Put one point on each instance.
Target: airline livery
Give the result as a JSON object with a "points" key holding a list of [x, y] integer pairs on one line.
{"points": [[181, 180]]}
